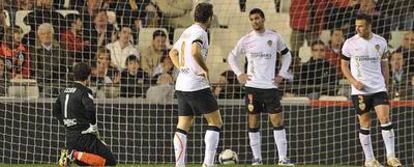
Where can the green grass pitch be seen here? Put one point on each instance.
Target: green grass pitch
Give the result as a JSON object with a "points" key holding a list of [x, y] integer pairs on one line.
{"points": [[164, 165]]}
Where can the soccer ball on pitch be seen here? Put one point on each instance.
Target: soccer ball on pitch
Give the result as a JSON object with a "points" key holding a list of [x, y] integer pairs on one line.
{"points": [[228, 157]]}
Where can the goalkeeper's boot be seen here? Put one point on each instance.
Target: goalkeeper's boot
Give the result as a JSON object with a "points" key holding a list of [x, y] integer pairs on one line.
{"points": [[286, 162], [393, 161], [373, 163], [256, 162], [64, 159]]}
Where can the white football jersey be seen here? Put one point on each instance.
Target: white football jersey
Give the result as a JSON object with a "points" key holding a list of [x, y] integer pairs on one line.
{"points": [[365, 56], [189, 78], [261, 50]]}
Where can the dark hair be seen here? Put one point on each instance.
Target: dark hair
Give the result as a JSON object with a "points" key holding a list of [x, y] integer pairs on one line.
{"points": [[230, 76], [365, 17], [81, 71], [71, 18], [203, 12], [131, 58], [337, 29], [257, 11], [317, 42], [158, 33]]}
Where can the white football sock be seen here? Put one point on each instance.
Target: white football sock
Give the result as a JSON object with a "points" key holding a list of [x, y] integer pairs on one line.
{"points": [[211, 139], [281, 142], [180, 146], [256, 144], [365, 139], [389, 139]]}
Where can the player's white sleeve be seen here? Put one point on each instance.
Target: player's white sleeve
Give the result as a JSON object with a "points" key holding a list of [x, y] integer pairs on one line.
{"points": [[286, 61], [345, 51], [234, 57]]}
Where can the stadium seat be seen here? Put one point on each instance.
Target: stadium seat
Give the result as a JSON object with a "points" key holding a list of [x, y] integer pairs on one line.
{"points": [[284, 6], [268, 6], [225, 10], [325, 36], [112, 91], [6, 14], [296, 100], [177, 33], [145, 37], [23, 88], [396, 38], [64, 13], [240, 21], [305, 53], [333, 98], [280, 23], [20, 15]]}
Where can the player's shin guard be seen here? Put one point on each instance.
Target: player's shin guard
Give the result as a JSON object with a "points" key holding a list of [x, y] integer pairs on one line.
{"points": [[281, 141], [180, 147], [88, 158], [211, 139], [389, 139], [255, 142], [365, 139]]}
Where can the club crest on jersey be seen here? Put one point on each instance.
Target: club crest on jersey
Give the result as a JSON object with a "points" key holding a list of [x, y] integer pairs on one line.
{"points": [[250, 106], [269, 43], [377, 47]]}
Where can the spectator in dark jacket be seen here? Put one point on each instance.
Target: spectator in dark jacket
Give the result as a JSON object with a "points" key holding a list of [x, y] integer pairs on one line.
{"points": [[134, 81]]}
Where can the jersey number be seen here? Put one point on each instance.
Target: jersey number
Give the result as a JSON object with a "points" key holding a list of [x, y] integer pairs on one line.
{"points": [[65, 108], [181, 62]]}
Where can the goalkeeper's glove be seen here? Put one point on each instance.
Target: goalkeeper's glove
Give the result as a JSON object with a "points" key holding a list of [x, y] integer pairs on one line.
{"points": [[93, 129]]}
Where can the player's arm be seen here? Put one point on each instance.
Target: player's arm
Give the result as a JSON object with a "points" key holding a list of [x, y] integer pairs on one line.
{"points": [[233, 59], [385, 69], [87, 102], [57, 110], [286, 61], [196, 52], [347, 73], [174, 57]]}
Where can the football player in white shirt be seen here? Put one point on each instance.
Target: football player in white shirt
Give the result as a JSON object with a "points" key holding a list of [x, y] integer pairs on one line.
{"points": [[366, 54], [261, 46], [192, 87]]}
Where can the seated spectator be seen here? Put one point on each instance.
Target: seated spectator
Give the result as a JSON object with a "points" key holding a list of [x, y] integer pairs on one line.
{"points": [[163, 92], [3, 25], [99, 34], [400, 80], [151, 55], [129, 11], [16, 57], [165, 67], [175, 13], [122, 48], [317, 75], [228, 86], [4, 77], [102, 72], [71, 39], [49, 65], [333, 51], [407, 50], [134, 80]]}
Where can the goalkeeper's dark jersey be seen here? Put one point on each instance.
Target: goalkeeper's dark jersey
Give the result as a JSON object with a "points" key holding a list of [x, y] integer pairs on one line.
{"points": [[75, 108]]}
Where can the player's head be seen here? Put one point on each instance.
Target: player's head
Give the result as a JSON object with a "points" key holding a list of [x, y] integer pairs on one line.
{"points": [[203, 13], [81, 72], [257, 19], [363, 25]]}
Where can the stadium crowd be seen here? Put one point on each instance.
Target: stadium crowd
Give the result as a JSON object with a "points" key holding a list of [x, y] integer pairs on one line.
{"points": [[106, 33]]}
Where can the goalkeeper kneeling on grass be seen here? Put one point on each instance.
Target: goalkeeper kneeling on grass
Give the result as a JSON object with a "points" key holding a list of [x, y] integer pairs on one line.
{"points": [[76, 110]]}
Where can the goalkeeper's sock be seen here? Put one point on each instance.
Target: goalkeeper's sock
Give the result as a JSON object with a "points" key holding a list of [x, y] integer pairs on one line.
{"points": [[88, 158], [365, 139], [211, 139], [389, 139], [281, 141], [180, 146], [255, 142]]}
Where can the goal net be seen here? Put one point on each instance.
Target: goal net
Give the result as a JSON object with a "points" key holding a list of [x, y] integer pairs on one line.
{"points": [[126, 43]]}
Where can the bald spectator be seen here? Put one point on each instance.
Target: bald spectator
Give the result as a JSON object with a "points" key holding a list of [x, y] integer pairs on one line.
{"points": [[122, 48], [151, 55]]}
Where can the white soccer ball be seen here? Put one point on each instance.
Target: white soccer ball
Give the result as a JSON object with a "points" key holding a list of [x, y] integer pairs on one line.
{"points": [[227, 157]]}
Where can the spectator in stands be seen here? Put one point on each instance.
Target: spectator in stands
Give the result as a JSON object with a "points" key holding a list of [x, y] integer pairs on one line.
{"points": [[306, 21], [175, 13], [400, 80], [49, 65], [129, 11], [401, 12], [407, 49], [333, 50], [68, 4], [16, 57], [228, 86], [338, 13], [102, 71], [3, 24], [151, 56], [163, 92], [17, 5], [88, 13], [381, 23], [4, 77], [72, 40], [43, 13], [317, 75], [166, 66], [100, 34], [122, 48], [134, 81]]}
